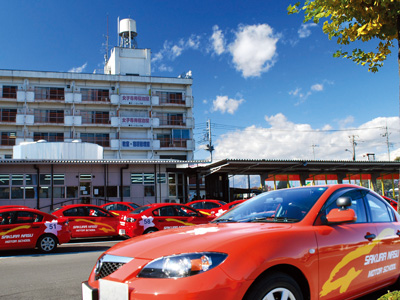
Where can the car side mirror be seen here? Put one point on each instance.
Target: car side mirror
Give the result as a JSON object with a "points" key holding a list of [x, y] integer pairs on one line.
{"points": [[337, 215], [343, 202]]}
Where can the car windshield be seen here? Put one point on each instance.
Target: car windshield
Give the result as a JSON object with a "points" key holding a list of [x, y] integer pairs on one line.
{"points": [[139, 210], [281, 206]]}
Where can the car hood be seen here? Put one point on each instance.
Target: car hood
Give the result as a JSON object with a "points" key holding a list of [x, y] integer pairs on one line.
{"points": [[208, 237]]}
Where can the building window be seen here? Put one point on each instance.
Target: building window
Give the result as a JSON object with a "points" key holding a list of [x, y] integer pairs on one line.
{"points": [[10, 91], [95, 95], [170, 97], [49, 93], [172, 119], [102, 139], [72, 192], [95, 117], [49, 116], [8, 139], [49, 136], [137, 178], [8, 115]]}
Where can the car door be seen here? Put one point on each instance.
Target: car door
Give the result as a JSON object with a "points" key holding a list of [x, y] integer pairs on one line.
{"points": [[191, 216], [77, 221], [388, 228], [101, 222], [19, 229], [343, 248]]}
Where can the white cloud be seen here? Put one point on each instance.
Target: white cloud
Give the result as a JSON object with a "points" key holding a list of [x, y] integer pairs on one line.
{"points": [[224, 104], [164, 68], [283, 139], [254, 49], [304, 30], [78, 69], [302, 96], [317, 87], [217, 40]]}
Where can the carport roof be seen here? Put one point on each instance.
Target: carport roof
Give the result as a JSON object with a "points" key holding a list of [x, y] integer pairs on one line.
{"points": [[265, 166]]}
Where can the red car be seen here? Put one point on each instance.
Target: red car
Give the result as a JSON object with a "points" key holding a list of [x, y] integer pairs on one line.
{"points": [[31, 228], [88, 220], [224, 208], [159, 216], [391, 201], [322, 242], [120, 208], [206, 206]]}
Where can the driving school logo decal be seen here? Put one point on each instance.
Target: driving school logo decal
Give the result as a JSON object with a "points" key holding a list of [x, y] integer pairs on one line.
{"points": [[106, 228], [344, 282]]}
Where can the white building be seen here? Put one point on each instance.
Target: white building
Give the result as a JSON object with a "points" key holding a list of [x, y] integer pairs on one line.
{"points": [[125, 110], [144, 125]]}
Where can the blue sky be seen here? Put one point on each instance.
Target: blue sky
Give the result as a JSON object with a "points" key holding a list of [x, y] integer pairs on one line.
{"points": [[267, 82]]}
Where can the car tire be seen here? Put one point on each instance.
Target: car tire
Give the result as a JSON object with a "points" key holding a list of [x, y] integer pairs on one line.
{"points": [[47, 243], [275, 286], [150, 230]]}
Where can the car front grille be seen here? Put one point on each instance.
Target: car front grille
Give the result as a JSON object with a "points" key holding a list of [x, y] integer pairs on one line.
{"points": [[108, 264]]}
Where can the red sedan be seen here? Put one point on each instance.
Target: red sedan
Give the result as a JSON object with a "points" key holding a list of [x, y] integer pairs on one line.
{"points": [[120, 208], [206, 206], [391, 201], [159, 216], [88, 220], [31, 228], [321, 242], [224, 208]]}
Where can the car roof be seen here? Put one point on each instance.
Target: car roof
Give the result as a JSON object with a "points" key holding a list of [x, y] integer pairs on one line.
{"points": [[116, 202], [77, 205]]}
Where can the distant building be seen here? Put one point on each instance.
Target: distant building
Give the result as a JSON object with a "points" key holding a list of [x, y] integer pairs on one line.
{"points": [[131, 114], [144, 125]]}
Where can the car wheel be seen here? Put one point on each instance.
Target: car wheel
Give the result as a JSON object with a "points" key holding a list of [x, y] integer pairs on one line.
{"points": [[275, 286], [47, 243], [150, 230]]}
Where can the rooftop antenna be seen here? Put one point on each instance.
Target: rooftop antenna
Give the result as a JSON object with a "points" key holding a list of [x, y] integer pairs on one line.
{"points": [[107, 36]]}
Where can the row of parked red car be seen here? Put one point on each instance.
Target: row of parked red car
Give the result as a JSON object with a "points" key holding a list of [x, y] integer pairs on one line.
{"points": [[23, 227]]}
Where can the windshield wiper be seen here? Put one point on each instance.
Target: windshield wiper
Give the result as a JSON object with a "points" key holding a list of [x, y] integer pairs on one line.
{"points": [[274, 220], [230, 220]]}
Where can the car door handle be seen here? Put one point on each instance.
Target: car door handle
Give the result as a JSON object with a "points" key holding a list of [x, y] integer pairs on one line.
{"points": [[370, 236], [35, 226]]}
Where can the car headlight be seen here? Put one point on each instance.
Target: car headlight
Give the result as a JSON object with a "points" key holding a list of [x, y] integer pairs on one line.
{"points": [[182, 265], [130, 220]]}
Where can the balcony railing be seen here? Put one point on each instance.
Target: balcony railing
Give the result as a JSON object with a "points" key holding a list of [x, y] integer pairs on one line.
{"points": [[8, 116], [95, 96], [173, 143], [49, 94], [8, 93], [172, 121], [172, 98], [49, 117], [102, 141], [95, 118]]}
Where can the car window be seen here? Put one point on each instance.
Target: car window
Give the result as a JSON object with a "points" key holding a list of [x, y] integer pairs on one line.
{"points": [[197, 205], [210, 205], [109, 207], [286, 205], [27, 217], [75, 212], [96, 212], [166, 211], [5, 218], [357, 204], [185, 211], [121, 207], [379, 210]]}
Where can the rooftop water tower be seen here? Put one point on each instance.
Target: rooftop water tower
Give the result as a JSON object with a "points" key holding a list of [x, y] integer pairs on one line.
{"points": [[127, 33]]}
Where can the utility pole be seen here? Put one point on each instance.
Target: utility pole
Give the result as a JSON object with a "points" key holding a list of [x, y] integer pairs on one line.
{"points": [[313, 149], [386, 134], [353, 144], [209, 146]]}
